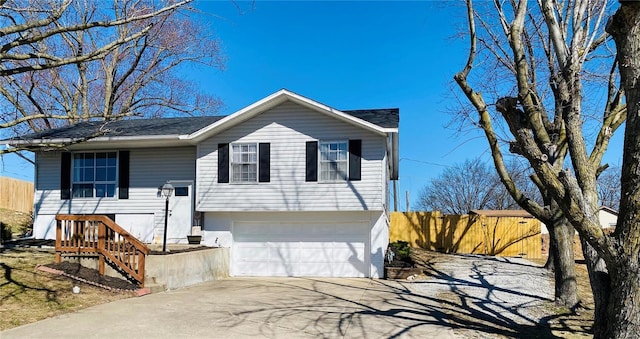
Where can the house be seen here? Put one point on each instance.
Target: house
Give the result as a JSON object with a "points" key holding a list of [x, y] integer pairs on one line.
{"points": [[608, 217], [293, 187]]}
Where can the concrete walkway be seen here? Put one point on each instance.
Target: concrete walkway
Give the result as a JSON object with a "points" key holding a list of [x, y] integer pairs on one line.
{"points": [[257, 308]]}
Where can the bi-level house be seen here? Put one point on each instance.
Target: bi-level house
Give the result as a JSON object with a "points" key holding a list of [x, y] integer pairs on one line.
{"points": [[293, 187]]}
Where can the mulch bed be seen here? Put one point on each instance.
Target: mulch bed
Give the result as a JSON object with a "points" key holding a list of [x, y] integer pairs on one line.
{"points": [[399, 264], [91, 276], [182, 250]]}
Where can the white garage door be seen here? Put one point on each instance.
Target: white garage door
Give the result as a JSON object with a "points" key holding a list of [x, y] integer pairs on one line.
{"points": [[299, 250]]}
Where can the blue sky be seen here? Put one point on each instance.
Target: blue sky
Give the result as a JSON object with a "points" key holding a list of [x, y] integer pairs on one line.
{"points": [[353, 55], [348, 55]]}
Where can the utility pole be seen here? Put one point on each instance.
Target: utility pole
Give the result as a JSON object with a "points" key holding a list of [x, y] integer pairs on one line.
{"points": [[395, 196], [407, 197]]}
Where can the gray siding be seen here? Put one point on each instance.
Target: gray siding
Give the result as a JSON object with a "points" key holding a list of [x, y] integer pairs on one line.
{"points": [[149, 168], [287, 127]]}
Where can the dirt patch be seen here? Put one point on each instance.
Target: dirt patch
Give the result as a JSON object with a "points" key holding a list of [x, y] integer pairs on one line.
{"points": [[577, 247], [92, 276], [497, 297]]}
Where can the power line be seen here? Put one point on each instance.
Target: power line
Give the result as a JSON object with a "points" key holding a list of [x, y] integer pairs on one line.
{"points": [[425, 162]]}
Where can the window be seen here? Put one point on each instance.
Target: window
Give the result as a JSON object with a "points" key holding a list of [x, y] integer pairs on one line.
{"points": [[181, 192], [333, 161], [94, 175], [244, 162]]}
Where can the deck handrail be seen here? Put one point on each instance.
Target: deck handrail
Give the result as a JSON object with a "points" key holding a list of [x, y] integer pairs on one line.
{"points": [[99, 234]]}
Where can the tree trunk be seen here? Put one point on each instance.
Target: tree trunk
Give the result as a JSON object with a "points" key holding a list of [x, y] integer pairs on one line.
{"points": [[623, 312], [623, 309], [549, 264], [600, 287], [561, 235]]}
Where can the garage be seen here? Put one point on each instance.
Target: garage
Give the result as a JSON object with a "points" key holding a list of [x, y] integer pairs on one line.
{"points": [[300, 249]]}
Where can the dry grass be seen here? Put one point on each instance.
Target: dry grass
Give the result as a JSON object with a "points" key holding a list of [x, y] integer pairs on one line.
{"points": [[573, 325], [18, 222], [28, 295]]}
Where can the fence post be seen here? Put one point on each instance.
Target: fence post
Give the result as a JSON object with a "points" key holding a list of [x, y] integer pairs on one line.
{"points": [[102, 233], [141, 263], [58, 240]]}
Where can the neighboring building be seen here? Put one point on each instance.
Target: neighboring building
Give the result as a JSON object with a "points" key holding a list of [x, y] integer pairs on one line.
{"points": [[608, 217], [292, 186]]}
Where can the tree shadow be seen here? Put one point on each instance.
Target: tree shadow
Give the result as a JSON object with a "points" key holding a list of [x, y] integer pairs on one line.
{"points": [[469, 302], [16, 287]]}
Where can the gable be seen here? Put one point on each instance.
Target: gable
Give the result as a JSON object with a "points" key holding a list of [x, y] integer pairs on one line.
{"points": [[290, 120], [283, 96]]}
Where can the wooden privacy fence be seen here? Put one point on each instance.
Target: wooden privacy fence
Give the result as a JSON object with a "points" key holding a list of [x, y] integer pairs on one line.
{"points": [[16, 195], [478, 234]]}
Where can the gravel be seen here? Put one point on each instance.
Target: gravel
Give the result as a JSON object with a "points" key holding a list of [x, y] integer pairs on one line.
{"points": [[489, 297]]}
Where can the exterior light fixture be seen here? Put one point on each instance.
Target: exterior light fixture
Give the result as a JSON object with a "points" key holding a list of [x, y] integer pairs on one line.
{"points": [[166, 191]]}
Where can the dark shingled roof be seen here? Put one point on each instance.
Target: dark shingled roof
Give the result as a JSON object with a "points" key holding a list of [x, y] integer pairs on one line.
{"points": [[387, 118], [132, 127]]}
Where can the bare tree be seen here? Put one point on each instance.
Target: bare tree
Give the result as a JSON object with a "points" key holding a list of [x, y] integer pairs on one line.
{"points": [[70, 61], [622, 251], [569, 39], [609, 187], [467, 186]]}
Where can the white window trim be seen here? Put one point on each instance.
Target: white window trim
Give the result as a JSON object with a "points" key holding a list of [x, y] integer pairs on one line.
{"points": [[94, 182], [346, 177], [231, 163]]}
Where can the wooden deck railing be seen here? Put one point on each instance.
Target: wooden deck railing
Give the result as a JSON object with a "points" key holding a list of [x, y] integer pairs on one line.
{"points": [[99, 235]]}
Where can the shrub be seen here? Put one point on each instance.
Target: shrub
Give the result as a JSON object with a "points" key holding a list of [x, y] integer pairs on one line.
{"points": [[401, 250], [5, 231]]}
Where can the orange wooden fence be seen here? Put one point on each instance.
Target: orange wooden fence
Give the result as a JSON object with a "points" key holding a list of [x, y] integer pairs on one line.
{"points": [[16, 195], [501, 236]]}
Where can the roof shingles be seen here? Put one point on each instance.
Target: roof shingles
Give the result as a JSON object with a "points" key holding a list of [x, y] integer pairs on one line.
{"points": [[386, 118], [132, 127]]}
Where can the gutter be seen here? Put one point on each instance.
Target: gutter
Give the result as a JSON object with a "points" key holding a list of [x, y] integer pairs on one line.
{"points": [[69, 141]]}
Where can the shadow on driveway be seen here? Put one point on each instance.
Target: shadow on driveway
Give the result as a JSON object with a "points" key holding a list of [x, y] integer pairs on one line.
{"points": [[445, 305]]}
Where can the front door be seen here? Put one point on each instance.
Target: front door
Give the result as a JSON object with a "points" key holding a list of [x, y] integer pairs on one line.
{"points": [[180, 212]]}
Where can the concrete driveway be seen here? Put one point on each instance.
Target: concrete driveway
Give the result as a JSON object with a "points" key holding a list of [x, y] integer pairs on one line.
{"points": [[258, 308]]}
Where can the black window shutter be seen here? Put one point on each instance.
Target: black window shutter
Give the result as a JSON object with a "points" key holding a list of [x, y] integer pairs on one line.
{"points": [[65, 176], [223, 163], [355, 156], [123, 175], [312, 161], [264, 162]]}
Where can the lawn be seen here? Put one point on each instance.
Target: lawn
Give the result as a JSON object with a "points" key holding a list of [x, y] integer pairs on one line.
{"points": [[28, 295], [16, 222]]}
